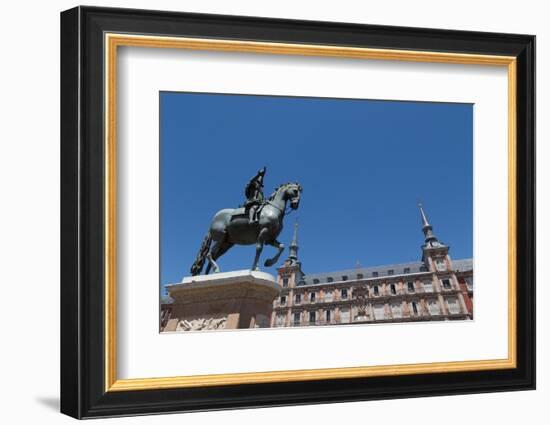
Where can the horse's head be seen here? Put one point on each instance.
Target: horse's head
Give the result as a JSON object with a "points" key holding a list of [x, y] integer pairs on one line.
{"points": [[287, 192], [292, 194]]}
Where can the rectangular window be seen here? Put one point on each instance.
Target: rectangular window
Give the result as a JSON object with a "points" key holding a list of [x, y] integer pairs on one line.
{"points": [[374, 274], [433, 308], [344, 278], [328, 316], [344, 294], [390, 272], [376, 291], [283, 300], [379, 311], [392, 289], [396, 311], [414, 309], [410, 287], [454, 307], [315, 281], [407, 270], [330, 279], [296, 319], [285, 282], [328, 296], [298, 298], [446, 283], [428, 287], [423, 269], [312, 297], [312, 317], [359, 275], [344, 315], [440, 265]]}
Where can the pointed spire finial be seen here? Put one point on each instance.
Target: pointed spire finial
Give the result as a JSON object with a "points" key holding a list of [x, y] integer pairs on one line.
{"points": [[426, 226], [293, 249], [295, 236], [423, 215]]}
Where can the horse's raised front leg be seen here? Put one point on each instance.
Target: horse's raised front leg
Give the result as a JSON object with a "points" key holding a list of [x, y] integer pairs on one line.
{"points": [[259, 247], [281, 247]]}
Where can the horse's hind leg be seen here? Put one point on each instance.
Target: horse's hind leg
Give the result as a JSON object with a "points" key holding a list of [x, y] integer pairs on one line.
{"points": [[216, 252], [269, 262], [259, 247], [211, 263]]}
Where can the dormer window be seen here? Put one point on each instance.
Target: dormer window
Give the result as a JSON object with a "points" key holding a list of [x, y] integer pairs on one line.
{"points": [[407, 270], [315, 281], [374, 274], [344, 278], [285, 282], [359, 275], [390, 272], [330, 279]]}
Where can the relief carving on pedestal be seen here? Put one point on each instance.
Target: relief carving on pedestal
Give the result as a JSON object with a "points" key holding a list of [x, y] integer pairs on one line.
{"points": [[202, 324]]}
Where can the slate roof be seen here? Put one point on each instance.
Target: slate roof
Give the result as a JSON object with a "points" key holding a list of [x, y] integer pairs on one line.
{"points": [[379, 271]]}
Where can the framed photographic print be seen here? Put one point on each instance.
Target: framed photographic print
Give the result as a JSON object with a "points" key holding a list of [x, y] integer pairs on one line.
{"points": [[261, 212]]}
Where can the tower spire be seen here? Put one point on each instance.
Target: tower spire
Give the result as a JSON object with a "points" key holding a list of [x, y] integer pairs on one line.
{"points": [[426, 226], [293, 249]]}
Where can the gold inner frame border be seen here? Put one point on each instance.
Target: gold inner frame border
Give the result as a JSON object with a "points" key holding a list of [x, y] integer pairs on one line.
{"points": [[113, 40]]}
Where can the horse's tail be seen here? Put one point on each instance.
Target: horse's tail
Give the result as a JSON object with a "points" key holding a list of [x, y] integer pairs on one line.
{"points": [[197, 266]]}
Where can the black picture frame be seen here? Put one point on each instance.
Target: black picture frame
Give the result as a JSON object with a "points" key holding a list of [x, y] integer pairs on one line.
{"points": [[83, 393]]}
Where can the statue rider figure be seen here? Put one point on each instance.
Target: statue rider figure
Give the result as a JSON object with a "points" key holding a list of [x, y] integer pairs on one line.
{"points": [[254, 195]]}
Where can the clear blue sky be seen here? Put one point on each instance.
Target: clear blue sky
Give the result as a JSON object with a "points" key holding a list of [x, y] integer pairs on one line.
{"points": [[363, 166]]}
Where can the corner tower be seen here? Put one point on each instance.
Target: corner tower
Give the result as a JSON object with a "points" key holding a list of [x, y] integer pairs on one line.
{"points": [[290, 273], [435, 254], [289, 276]]}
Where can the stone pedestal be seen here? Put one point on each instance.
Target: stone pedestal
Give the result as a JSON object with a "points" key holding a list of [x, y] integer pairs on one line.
{"points": [[231, 300]]}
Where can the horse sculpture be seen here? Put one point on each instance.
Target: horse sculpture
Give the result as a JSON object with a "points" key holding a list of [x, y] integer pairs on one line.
{"points": [[232, 226]]}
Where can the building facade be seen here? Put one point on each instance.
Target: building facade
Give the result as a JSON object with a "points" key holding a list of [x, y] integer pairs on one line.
{"points": [[434, 288]]}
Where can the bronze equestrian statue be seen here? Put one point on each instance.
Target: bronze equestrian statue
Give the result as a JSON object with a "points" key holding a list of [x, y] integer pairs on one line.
{"points": [[258, 224]]}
